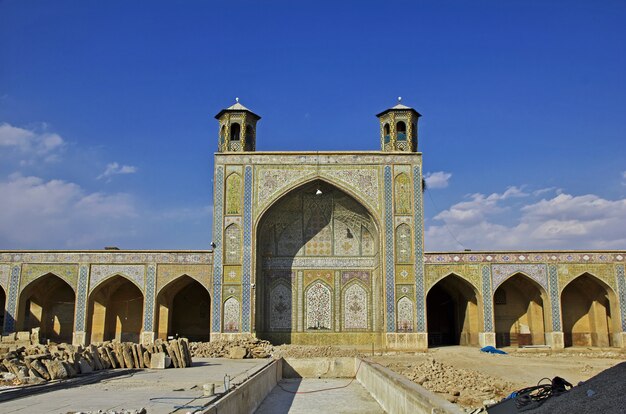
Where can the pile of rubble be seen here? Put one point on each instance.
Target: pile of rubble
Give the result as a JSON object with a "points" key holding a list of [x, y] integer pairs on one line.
{"points": [[314, 351], [237, 348], [34, 364], [461, 386]]}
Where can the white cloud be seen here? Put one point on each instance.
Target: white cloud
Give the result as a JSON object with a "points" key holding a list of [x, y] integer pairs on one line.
{"points": [[30, 144], [115, 169], [40, 214], [563, 221], [437, 179]]}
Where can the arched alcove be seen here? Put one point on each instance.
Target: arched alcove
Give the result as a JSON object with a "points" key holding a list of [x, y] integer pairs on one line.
{"points": [[312, 245], [589, 309], [235, 131], [115, 311], [452, 312], [183, 310], [47, 303], [519, 312], [401, 131]]}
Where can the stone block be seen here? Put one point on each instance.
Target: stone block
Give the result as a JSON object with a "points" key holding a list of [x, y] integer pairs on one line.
{"points": [[56, 369], [23, 336], [237, 352], [159, 360], [84, 366]]}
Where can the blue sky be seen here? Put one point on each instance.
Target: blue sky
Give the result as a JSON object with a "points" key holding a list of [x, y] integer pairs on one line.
{"points": [[107, 131]]}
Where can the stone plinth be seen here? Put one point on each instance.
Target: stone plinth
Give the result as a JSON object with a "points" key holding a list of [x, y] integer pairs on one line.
{"points": [[487, 339], [407, 341]]}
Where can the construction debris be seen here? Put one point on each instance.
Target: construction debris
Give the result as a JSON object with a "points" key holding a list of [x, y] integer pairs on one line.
{"points": [[236, 349], [35, 364]]}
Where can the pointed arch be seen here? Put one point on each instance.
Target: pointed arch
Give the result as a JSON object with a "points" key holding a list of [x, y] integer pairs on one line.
{"points": [[183, 309], [304, 232], [232, 315], [311, 181], [232, 244], [519, 311], [235, 131], [234, 194], [590, 312], [319, 307], [402, 193], [453, 312], [401, 130], [355, 306], [48, 303], [405, 315], [115, 310], [280, 306]]}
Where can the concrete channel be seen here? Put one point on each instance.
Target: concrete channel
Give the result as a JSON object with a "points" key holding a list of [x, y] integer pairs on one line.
{"points": [[338, 385]]}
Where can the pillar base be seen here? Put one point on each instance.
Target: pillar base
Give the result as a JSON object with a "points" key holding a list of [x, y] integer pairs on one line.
{"points": [[221, 336], [619, 340], [79, 338], [555, 340], [487, 339], [147, 337], [407, 341]]}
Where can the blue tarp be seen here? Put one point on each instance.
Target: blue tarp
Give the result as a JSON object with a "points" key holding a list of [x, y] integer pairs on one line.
{"points": [[490, 349]]}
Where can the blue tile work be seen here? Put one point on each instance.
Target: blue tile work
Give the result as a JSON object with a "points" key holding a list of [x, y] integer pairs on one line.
{"points": [[389, 268], [81, 298], [247, 248], [553, 280], [11, 309], [487, 302], [148, 312], [418, 210], [621, 292], [218, 229]]}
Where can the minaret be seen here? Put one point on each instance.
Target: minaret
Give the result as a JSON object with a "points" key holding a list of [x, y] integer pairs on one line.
{"points": [[237, 128], [398, 128]]}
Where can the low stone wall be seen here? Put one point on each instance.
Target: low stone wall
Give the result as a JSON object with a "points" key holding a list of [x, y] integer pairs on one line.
{"points": [[397, 394], [249, 395], [340, 367]]}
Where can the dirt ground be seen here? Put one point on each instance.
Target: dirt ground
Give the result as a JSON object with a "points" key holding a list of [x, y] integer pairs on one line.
{"points": [[470, 378]]}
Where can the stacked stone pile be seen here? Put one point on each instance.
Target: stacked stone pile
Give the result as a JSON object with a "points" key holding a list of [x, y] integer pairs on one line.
{"points": [[236, 348], [33, 364]]}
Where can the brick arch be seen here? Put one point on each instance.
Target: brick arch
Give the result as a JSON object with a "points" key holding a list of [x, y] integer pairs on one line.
{"points": [[460, 275]]}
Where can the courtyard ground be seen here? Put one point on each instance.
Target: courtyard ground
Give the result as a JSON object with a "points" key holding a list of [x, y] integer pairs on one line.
{"points": [[468, 377]]}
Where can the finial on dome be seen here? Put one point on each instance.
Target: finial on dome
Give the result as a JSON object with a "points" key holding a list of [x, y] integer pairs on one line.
{"points": [[399, 99], [237, 99]]}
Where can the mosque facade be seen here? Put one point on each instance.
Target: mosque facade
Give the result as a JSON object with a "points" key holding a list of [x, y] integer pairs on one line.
{"points": [[319, 248]]}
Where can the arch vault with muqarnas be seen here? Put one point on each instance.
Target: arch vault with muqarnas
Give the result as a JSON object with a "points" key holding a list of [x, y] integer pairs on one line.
{"points": [[319, 247]]}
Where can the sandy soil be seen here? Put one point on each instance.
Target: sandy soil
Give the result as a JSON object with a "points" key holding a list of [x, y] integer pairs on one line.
{"points": [[468, 377]]}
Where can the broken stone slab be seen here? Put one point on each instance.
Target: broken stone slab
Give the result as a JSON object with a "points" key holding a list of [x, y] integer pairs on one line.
{"points": [[146, 358], [172, 355], [133, 350], [112, 358], [57, 369], [85, 368], [38, 366], [159, 360], [179, 356], [128, 356], [23, 336]]}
